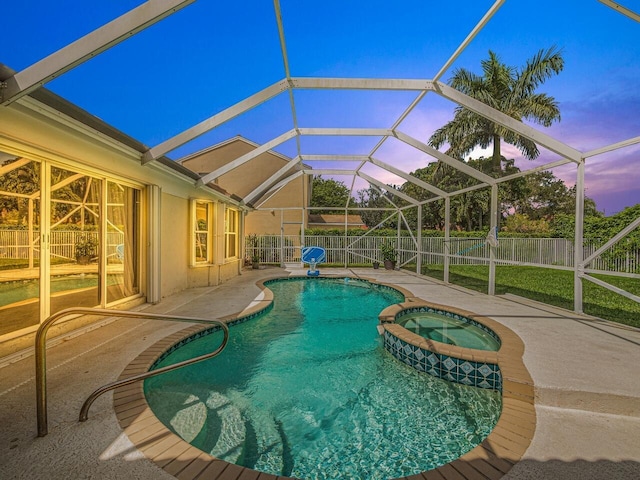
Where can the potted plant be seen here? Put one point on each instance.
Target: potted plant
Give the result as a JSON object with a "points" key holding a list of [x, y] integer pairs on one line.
{"points": [[389, 255], [252, 246], [86, 248]]}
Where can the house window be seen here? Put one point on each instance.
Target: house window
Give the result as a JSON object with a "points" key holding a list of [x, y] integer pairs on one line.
{"points": [[231, 233], [202, 213]]}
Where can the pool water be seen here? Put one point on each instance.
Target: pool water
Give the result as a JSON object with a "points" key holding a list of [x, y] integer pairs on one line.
{"points": [[308, 391], [449, 330]]}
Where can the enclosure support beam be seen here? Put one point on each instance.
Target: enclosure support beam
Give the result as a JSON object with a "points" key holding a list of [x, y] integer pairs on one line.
{"points": [[398, 219], [287, 71], [227, 167], [269, 182], [348, 132], [612, 147], [444, 158], [319, 83], [416, 181], [215, 121], [483, 21], [89, 46], [303, 211], [447, 237], [623, 10], [329, 171], [619, 236], [547, 166], [419, 233], [346, 226], [578, 250], [406, 224], [492, 250], [512, 124], [273, 190], [397, 123], [389, 189], [281, 238], [612, 288], [333, 158]]}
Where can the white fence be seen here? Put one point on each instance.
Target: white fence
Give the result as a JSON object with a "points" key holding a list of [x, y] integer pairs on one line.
{"points": [[14, 244], [552, 252]]}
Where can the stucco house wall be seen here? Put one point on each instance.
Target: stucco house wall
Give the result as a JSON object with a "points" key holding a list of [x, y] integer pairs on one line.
{"points": [[37, 131]]}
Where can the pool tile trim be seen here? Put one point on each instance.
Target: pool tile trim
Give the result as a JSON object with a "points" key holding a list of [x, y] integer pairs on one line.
{"points": [[493, 458]]}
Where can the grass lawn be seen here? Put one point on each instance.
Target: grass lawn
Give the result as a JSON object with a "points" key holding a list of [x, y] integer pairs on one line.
{"points": [[554, 287]]}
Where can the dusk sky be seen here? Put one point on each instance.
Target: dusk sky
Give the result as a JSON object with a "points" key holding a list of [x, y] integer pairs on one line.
{"points": [[212, 54]]}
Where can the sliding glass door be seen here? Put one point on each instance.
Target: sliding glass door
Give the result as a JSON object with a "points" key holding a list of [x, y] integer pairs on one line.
{"points": [[20, 208], [67, 239], [75, 240]]}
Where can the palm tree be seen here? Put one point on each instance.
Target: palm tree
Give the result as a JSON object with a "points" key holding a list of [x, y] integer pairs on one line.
{"points": [[508, 90]]}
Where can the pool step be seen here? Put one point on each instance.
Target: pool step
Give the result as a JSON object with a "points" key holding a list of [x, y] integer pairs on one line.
{"points": [[263, 442], [232, 429]]}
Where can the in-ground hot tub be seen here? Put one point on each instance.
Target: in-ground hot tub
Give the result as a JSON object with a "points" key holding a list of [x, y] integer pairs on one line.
{"points": [[465, 365], [449, 328]]}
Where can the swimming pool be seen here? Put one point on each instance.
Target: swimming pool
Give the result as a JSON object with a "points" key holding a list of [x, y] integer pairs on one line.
{"points": [[307, 390], [452, 330]]}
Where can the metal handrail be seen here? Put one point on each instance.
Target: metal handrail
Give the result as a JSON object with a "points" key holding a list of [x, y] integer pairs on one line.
{"points": [[41, 361]]}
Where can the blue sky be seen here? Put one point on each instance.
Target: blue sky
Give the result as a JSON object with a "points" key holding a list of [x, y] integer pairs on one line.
{"points": [[213, 54]]}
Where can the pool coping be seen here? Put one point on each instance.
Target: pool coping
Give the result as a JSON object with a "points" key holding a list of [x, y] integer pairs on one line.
{"points": [[491, 459]]}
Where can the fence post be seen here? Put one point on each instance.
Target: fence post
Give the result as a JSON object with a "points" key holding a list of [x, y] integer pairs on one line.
{"points": [[346, 226], [447, 237], [419, 259], [492, 250]]}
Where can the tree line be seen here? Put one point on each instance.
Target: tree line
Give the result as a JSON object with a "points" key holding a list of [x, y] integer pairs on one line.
{"points": [[528, 204]]}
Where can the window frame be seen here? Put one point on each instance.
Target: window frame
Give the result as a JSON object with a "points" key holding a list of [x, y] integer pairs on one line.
{"points": [[196, 232], [229, 234]]}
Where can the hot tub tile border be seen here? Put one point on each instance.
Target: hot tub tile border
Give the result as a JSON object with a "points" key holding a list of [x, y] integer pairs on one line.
{"points": [[460, 370]]}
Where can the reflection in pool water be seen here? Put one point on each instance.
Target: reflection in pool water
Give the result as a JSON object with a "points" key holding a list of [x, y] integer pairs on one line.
{"points": [[12, 292]]}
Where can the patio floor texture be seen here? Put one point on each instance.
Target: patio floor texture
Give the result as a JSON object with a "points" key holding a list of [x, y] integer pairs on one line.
{"points": [[585, 372]]}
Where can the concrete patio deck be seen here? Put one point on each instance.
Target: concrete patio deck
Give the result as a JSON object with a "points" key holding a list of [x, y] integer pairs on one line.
{"points": [[585, 373]]}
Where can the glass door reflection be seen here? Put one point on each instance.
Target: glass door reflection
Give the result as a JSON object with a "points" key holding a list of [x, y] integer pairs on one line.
{"points": [[74, 215]]}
